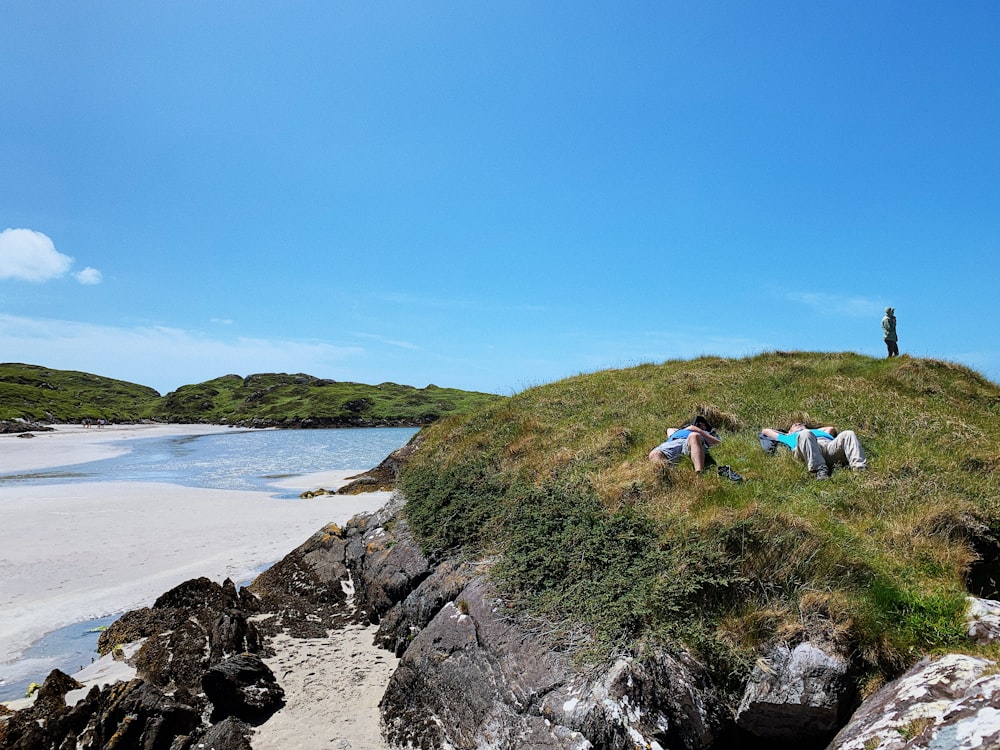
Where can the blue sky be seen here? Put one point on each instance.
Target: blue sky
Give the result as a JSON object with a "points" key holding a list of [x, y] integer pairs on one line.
{"points": [[492, 196]]}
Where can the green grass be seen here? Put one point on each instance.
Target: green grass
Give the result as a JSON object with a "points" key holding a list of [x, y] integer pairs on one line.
{"points": [[42, 394], [555, 487], [282, 398]]}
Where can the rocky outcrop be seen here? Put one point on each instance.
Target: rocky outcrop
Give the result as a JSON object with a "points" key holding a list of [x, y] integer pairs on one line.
{"points": [[473, 673], [197, 681], [797, 694], [187, 630], [477, 676], [21, 427], [384, 476], [951, 701], [304, 594]]}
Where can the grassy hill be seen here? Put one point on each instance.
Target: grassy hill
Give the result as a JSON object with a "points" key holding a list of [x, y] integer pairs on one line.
{"points": [[42, 394], [295, 399], [555, 488], [39, 394]]}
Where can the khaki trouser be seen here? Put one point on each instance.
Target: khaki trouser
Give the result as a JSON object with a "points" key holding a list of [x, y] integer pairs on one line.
{"points": [[843, 449]]}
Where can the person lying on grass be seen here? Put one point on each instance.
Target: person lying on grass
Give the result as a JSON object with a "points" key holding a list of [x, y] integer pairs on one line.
{"points": [[693, 439], [822, 448]]}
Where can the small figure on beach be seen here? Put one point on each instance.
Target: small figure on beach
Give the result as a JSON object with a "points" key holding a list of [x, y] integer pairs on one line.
{"points": [[821, 448], [693, 439], [889, 331]]}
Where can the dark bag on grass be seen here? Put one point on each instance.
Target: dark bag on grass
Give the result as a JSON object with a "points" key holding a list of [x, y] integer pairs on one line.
{"points": [[770, 445]]}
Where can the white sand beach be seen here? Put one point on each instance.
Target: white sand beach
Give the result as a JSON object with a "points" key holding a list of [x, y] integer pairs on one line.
{"points": [[75, 552]]}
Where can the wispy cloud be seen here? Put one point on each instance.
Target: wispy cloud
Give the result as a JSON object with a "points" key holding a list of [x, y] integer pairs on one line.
{"points": [[838, 305], [449, 303], [391, 342], [27, 255], [161, 357]]}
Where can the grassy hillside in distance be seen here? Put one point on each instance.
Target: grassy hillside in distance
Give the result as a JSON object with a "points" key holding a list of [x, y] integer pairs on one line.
{"points": [[554, 487], [40, 394], [281, 399]]}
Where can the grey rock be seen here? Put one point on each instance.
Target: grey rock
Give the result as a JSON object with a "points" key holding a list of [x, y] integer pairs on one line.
{"points": [[386, 565], [405, 619], [476, 676], [983, 618], [796, 694], [951, 702]]}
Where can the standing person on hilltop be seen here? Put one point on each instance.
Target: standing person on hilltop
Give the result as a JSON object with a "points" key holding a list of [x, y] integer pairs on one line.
{"points": [[889, 331]]}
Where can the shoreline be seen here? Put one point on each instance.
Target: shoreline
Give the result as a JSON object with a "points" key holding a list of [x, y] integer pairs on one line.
{"points": [[72, 553], [67, 444]]}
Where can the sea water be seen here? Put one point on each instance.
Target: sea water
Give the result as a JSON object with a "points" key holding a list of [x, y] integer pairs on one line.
{"points": [[236, 460]]}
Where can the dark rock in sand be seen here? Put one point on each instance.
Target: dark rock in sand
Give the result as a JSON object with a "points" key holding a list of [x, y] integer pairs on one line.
{"points": [[186, 630], [228, 734], [305, 592], [243, 687]]}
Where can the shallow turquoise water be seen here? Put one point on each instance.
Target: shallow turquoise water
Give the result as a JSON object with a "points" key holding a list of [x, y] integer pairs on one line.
{"points": [[237, 460]]}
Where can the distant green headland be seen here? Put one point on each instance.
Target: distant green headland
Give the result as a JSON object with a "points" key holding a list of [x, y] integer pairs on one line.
{"points": [[39, 394]]}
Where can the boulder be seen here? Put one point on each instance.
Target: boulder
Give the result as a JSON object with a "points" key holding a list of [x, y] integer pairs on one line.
{"points": [[243, 687], [478, 676], [950, 701], [228, 734], [799, 693], [983, 618], [305, 592]]}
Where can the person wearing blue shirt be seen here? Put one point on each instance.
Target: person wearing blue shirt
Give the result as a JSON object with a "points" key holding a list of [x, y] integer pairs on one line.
{"points": [[820, 449], [692, 440]]}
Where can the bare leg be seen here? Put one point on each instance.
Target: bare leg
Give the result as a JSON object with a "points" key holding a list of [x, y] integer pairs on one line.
{"points": [[696, 448]]}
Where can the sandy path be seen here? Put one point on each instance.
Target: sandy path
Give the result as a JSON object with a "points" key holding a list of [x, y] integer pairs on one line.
{"points": [[332, 689]]}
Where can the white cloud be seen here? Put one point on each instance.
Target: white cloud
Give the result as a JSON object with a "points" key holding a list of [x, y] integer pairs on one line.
{"points": [[88, 276], [30, 256], [839, 305]]}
